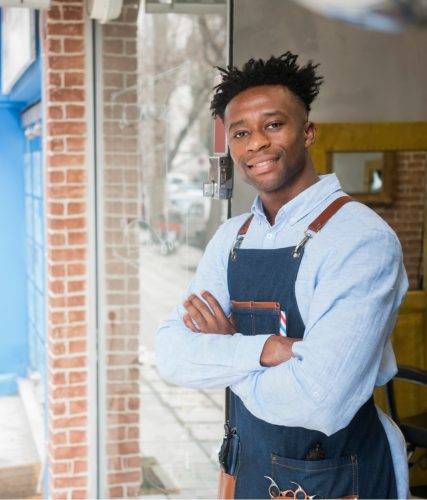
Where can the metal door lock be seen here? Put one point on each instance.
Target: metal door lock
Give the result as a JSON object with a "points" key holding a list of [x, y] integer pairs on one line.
{"points": [[220, 180]]}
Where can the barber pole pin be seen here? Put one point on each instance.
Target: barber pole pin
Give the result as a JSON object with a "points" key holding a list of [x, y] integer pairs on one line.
{"points": [[282, 330]]}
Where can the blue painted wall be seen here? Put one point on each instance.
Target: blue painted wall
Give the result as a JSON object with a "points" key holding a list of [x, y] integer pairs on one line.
{"points": [[13, 310], [14, 348]]}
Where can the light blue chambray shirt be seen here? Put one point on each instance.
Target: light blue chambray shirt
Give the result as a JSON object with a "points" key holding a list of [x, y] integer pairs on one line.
{"points": [[349, 287]]}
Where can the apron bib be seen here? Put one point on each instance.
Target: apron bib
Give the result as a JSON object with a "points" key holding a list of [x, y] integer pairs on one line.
{"points": [[355, 461]]}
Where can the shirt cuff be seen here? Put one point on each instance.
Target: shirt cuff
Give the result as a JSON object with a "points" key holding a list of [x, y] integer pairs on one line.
{"points": [[248, 352]]}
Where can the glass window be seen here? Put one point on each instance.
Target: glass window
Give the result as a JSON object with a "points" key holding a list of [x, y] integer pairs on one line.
{"points": [[156, 72]]}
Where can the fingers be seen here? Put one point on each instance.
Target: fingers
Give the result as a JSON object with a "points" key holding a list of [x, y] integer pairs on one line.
{"points": [[189, 323], [199, 312], [214, 305]]}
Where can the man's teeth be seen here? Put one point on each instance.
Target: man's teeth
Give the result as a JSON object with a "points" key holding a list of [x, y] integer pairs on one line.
{"points": [[264, 163]]}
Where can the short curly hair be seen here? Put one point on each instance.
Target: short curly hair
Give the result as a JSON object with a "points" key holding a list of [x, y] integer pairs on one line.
{"points": [[284, 70]]}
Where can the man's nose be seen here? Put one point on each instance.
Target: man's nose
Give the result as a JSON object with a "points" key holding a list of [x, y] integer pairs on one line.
{"points": [[258, 140]]}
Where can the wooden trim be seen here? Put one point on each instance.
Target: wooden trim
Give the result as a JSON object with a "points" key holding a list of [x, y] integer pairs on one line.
{"points": [[379, 136], [415, 300]]}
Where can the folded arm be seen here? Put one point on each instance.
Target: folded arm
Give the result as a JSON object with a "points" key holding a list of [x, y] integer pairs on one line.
{"points": [[201, 360], [334, 369]]}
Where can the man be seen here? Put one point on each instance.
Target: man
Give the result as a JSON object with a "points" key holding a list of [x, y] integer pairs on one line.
{"points": [[292, 306]]}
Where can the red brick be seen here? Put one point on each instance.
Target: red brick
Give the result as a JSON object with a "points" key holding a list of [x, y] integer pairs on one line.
{"points": [[70, 362], [73, 79], [72, 12], [80, 466], [78, 346], [57, 270], [60, 423], [79, 494], [116, 492], [56, 208], [73, 45], [70, 481], [58, 438], [76, 144], [77, 377], [67, 29], [76, 269], [56, 145], [114, 463], [132, 462], [76, 301], [55, 112], [117, 434], [76, 316], [133, 433], [66, 128], [65, 192], [123, 477], [59, 467], [74, 111], [68, 254], [77, 437], [79, 406], [133, 491], [76, 176], [73, 391], [58, 348], [56, 177], [66, 95], [66, 160], [74, 208], [54, 45], [57, 408], [76, 286], [133, 403], [57, 286], [66, 62]]}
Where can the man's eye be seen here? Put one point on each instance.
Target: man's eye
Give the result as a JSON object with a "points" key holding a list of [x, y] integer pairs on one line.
{"points": [[239, 135], [274, 125]]}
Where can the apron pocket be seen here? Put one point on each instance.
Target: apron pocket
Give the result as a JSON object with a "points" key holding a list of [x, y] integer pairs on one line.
{"points": [[330, 478], [256, 321]]}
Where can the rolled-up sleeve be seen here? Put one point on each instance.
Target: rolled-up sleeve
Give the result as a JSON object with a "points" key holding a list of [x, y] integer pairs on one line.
{"points": [[359, 288], [207, 360]]}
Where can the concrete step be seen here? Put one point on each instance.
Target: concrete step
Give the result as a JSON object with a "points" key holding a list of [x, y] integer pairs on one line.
{"points": [[19, 461]]}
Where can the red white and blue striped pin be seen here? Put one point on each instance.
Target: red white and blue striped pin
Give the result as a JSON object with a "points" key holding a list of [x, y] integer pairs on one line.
{"points": [[282, 330]]}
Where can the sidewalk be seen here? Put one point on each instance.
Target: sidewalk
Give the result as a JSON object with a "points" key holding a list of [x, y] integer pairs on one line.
{"points": [[181, 429]]}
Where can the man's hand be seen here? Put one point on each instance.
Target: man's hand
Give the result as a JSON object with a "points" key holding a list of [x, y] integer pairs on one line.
{"points": [[277, 350], [203, 319]]}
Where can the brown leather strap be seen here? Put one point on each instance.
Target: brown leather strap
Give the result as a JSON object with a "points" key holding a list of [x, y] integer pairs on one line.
{"points": [[244, 228], [329, 211], [317, 224], [250, 304]]}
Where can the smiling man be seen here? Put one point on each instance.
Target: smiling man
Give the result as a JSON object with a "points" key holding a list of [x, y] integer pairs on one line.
{"points": [[292, 306]]}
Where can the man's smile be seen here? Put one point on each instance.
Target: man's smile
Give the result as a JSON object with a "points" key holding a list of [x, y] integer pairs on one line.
{"points": [[263, 164]]}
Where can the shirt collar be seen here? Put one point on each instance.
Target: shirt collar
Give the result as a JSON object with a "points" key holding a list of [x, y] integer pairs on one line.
{"points": [[304, 203]]}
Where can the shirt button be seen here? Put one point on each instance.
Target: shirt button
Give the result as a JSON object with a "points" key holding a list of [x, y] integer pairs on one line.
{"points": [[269, 236]]}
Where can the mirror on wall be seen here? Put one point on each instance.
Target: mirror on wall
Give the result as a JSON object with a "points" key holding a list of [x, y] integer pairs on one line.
{"points": [[365, 175]]}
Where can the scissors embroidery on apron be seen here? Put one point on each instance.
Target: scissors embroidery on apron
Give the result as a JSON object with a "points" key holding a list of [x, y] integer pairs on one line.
{"points": [[298, 494]]}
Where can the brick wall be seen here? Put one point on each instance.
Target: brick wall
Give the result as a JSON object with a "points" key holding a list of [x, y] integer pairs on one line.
{"points": [[120, 282], [67, 247], [67, 162], [406, 214]]}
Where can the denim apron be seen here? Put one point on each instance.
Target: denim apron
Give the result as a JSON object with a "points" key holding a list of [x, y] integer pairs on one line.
{"points": [[355, 461]]}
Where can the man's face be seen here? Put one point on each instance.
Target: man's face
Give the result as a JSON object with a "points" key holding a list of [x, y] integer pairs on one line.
{"points": [[268, 135]]}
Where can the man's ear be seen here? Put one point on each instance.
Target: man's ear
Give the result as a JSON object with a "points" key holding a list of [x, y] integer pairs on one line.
{"points": [[309, 134]]}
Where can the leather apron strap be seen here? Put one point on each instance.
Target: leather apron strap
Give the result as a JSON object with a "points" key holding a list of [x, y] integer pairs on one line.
{"points": [[314, 227]]}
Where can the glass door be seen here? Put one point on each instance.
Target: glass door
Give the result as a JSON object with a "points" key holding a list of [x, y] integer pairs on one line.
{"points": [[155, 72]]}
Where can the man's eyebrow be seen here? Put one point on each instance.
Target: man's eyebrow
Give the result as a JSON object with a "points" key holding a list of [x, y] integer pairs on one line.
{"points": [[265, 113]]}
